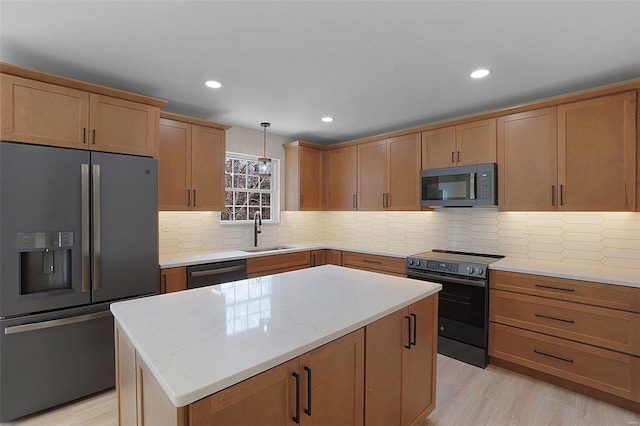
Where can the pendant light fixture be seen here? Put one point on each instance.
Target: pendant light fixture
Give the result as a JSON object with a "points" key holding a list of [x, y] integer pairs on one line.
{"points": [[264, 163]]}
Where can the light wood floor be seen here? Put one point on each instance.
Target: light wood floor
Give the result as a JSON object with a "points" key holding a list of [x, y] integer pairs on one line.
{"points": [[466, 395]]}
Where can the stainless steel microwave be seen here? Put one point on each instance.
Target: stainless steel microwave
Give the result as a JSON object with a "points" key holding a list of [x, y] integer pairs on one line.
{"points": [[465, 186]]}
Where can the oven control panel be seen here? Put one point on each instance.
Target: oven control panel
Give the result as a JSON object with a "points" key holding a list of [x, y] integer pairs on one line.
{"points": [[457, 268]]}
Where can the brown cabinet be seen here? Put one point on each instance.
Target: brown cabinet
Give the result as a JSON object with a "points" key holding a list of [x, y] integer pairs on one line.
{"points": [[597, 154], [577, 156], [388, 172], [376, 263], [401, 365], [334, 257], [527, 160], [318, 257], [461, 145], [341, 178], [277, 263], [51, 114], [173, 279], [329, 391], [191, 164], [579, 331], [304, 177]]}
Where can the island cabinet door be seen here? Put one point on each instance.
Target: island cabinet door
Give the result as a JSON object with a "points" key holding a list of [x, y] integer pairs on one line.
{"points": [[333, 382], [266, 399], [401, 362]]}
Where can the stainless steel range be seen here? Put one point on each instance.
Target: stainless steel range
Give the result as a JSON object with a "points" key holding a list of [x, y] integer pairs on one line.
{"points": [[463, 303]]}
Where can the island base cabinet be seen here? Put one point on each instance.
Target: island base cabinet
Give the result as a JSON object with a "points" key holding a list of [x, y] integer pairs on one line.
{"points": [[268, 398], [321, 387], [401, 365]]}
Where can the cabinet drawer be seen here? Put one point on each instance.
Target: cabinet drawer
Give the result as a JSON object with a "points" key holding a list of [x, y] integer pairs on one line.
{"points": [[601, 369], [590, 293], [277, 263], [372, 262], [607, 328]]}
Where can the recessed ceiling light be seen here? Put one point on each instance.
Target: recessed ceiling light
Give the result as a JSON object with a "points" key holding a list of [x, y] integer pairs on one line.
{"points": [[480, 73], [213, 84], [327, 119]]}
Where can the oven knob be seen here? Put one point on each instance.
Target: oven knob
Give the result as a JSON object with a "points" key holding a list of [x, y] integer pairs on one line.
{"points": [[417, 263], [470, 270], [410, 261], [479, 270]]}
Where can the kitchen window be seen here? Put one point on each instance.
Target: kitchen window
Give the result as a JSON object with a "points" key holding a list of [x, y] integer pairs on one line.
{"points": [[247, 193]]}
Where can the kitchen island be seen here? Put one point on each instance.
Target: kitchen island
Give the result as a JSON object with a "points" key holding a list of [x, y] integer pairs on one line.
{"points": [[287, 348]]}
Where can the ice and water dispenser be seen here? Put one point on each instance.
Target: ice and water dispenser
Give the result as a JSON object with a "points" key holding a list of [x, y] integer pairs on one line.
{"points": [[45, 261]]}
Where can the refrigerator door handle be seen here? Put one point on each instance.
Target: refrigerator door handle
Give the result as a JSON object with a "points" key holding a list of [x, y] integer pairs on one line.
{"points": [[84, 172], [97, 260], [55, 323]]}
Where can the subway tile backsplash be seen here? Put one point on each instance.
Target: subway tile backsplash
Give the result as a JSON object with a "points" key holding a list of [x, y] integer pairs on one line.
{"points": [[606, 238]]}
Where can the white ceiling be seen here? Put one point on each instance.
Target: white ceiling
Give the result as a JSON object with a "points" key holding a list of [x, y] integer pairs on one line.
{"points": [[374, 66]]}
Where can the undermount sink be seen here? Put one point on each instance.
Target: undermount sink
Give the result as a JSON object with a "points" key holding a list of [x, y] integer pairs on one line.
{"points": [[261, 249]]}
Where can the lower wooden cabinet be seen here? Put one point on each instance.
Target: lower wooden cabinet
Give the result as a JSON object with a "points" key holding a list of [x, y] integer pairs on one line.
{"points": [[173, 279], [581, 332], [401, 365], [376, 263], [334, 257], [277, 263], [318, 257]]}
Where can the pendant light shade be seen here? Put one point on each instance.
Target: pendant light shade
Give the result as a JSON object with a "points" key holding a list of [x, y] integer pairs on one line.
{"points": [[264, 163]]}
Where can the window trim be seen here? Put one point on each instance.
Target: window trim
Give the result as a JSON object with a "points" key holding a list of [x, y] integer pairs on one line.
{"points": [[275, 185]]}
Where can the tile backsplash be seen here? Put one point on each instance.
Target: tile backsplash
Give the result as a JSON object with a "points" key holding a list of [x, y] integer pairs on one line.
{"points": [[606, 238]]}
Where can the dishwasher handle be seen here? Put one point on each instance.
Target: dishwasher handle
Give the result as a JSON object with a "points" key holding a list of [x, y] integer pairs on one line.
{"points": [[218, 271]]}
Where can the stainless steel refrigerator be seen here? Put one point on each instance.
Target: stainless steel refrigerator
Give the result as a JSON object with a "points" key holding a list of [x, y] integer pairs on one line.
{"points": [[78, 230]]}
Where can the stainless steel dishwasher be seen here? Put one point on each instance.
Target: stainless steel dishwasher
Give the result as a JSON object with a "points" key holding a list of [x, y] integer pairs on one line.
{"points": [[216, 273]]}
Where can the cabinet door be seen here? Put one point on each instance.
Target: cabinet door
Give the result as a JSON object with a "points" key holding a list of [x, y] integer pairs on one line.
{"points": [[318, 257], [207, 168], [597, 153], [528, 160], [372, 175], [174, 166], [439, 148], [311, 179], [404, 172], [43, 113], [476, 142], [173, 279], [266, 399], [341, 179], [333, 382], [334, 257], [385, 339], [419, 362], [123, 126]]}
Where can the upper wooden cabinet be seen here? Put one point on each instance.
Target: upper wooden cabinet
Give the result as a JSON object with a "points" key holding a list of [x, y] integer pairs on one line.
{"points": [[527, 160], [579, 156], [461, 145], [53, 114], [387, 174], [597, 153], [191, 164], [341, 178], [304, 177]]}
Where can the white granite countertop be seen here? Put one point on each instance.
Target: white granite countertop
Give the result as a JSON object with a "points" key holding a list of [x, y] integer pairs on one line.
{"points": [[186, 259], [197, 342], [575, 271]]}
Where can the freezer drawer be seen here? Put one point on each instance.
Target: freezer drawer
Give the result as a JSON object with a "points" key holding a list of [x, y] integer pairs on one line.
{"points": [[50, 359]]}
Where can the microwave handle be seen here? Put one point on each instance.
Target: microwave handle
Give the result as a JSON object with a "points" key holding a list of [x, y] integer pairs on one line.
{"points": [[472, 186]]}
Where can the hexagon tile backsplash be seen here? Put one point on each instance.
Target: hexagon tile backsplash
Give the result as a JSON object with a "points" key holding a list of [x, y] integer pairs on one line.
{"points": [[606, 238]]}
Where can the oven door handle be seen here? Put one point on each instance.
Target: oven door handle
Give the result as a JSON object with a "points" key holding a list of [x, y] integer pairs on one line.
{"points": [[441, 279]]}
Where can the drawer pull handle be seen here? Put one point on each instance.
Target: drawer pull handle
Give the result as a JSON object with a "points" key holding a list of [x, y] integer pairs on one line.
{"points": [[555, 288], [555, 319], [553, 356], [377, 262], [296, 418]]}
